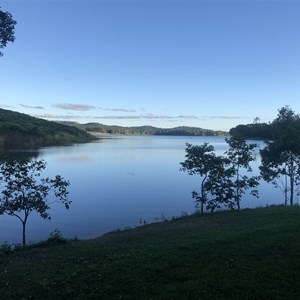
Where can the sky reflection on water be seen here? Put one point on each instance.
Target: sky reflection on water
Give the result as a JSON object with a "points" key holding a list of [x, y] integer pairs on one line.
{"points": [[119, 180]]}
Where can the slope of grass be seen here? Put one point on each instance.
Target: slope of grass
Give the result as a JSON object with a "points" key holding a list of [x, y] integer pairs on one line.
{"points": [[252, 254], [23, 131]]}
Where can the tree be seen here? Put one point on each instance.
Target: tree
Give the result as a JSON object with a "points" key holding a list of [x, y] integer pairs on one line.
{"points": [[240, 154], [215, 184], [281, 157], [219, 184], [24, 191], [276, 168], [256, 120], [199, 160], [222, 182], [7, 29]]}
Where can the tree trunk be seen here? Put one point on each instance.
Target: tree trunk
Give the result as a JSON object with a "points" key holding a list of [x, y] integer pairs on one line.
{"points": [[292, 180], [285, 191], [292, 192], [201, 207], [237, 197], [203, 200], [237, 188], [24, 233]]}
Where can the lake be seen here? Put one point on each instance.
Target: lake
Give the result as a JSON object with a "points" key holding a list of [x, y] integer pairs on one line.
{"points": [[120, 181]]}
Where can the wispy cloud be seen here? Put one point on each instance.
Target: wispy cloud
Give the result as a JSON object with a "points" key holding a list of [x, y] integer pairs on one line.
{"points": [[169, 117], [6, 106], [77, 107], [117, 117], [224, 117], [118, 110], [188, 117], [138, 117], [60, 117], [147, 117], [30, 106]]}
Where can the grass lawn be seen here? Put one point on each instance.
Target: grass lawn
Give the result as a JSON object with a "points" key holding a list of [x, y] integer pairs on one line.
{"points": [[251, 254]]}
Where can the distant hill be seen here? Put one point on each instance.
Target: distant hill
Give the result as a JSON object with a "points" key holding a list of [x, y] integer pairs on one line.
{"points": [[145, 130], [19, 131]]}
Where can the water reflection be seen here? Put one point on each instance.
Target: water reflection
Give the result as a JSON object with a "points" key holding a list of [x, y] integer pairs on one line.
{"points": [[116, 181]]}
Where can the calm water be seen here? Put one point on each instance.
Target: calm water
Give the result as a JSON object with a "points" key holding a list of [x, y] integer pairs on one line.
{"points": [[119, 180]]}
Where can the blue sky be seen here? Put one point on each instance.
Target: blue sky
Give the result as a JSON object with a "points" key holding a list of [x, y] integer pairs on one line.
{"points": [[210, 64]]}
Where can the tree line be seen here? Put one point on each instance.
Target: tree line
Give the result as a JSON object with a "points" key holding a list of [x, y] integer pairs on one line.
{"points": [[145, 130], [223, 178], [261, 131]]}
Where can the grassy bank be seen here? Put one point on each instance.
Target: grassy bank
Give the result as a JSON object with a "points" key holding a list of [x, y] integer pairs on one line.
{"points": [[252, 254]]}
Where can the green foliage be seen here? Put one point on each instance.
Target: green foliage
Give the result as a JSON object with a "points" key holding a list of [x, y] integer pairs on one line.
{"points": [[24, 191], [221, 180], [240, 154], [7, 29], [281, 156], [19, 131], [287, 131], [5, 248], [220, 185], [258, 131], [201, 160], [56, 237], [285, 120]]}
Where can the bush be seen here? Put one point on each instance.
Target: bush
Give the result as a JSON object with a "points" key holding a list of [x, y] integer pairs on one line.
{"points": [[56, 237], [5, 248]]}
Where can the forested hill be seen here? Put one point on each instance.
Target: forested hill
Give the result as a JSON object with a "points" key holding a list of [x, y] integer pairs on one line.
{"points": [[254, 131], [23, 131], [145, 130]]}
